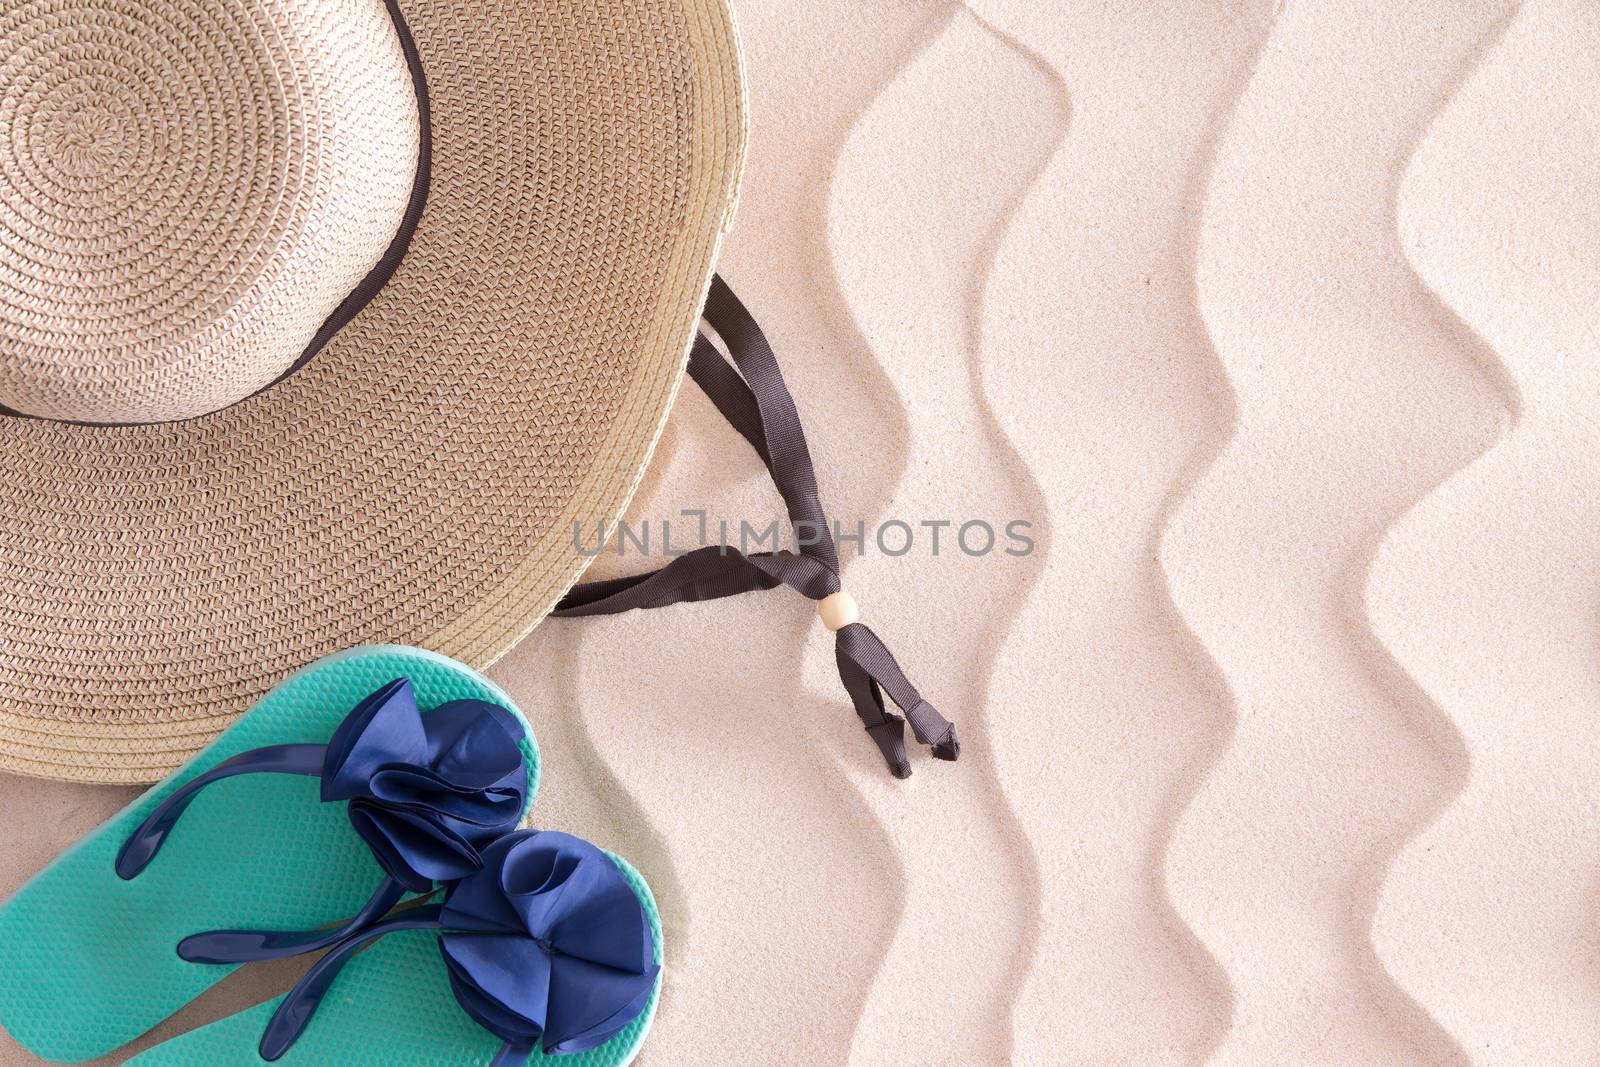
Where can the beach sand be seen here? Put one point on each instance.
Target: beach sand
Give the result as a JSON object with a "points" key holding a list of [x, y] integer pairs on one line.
{"points": [[1277, 322]]}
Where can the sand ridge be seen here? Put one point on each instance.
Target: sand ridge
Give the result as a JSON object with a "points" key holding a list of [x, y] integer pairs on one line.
{"points": [[1487, 592]]}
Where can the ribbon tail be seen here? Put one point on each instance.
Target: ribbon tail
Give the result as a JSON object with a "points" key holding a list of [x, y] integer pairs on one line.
{"points": [[707, 573], [868, 670]]}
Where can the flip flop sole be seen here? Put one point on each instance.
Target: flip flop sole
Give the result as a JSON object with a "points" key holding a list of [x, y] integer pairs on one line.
{"points": [[392, 1007], [91, 959]]}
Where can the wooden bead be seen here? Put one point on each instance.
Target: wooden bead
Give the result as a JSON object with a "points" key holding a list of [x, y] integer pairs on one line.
{"points": [[838, 610]]}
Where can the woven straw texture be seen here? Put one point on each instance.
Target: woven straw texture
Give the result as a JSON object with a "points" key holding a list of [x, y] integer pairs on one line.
{"points": [[188, 192], [418, 480]]}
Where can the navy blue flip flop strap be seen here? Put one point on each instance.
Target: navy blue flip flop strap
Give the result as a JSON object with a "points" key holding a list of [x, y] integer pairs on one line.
{"points": [[546, 946], [751, 394], [426, 793]]}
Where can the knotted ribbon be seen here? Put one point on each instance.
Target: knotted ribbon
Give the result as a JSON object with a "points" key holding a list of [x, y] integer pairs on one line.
{"points": [[546, 946], [752, 396], [425, 793]]}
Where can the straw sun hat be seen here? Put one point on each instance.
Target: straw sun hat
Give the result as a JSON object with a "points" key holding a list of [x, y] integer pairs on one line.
{"points": [[323, 322]]}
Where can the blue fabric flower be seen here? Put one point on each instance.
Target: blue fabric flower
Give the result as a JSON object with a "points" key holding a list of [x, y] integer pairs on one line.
{"points": [[548, 944], [427, 792]]}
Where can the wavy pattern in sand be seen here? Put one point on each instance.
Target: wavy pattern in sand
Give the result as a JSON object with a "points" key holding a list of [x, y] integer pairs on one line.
{"points": [[1400, 540], [1284, 748], [1487, 591], [1353, 401], [933, 170], [1088, 318]]}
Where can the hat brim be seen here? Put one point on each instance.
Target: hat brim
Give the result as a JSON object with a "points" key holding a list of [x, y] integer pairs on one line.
{"points": [[420, 480]]}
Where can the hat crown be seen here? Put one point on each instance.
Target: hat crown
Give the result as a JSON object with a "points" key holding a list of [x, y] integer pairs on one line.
{"points": [[187, 192]]}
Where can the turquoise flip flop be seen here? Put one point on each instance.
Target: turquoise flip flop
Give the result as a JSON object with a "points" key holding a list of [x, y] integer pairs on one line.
{"points": [[410, 993], [278, 863]]}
